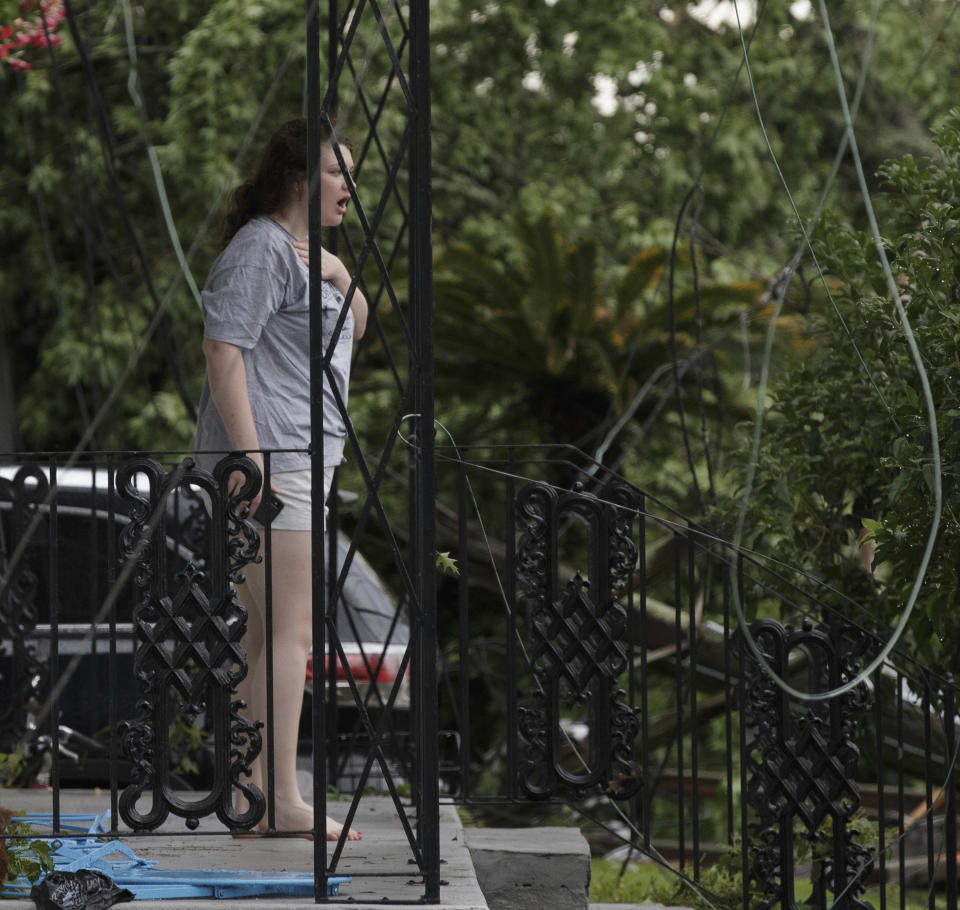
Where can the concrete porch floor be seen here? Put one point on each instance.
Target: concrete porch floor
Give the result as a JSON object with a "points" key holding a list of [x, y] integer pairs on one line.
{"points": [[380, 865]]}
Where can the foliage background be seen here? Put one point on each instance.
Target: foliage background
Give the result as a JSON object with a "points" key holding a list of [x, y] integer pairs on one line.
{"points": [[608, 221]]}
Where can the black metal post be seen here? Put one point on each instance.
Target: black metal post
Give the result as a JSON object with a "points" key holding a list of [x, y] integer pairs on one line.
{"points": [[463, 603], [421, 378], [315, 116]]}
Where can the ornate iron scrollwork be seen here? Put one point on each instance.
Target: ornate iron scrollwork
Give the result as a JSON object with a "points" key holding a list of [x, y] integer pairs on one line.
{"points": [[189, 625], [801, 763], [22, 682], [577, 648]]}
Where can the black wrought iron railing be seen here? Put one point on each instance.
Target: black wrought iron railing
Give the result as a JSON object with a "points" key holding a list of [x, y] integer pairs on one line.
{"points": [[592, 654], [122, 648], [689, 702]]}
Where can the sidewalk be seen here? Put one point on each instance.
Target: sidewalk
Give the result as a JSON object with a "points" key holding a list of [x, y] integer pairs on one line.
{"points": [[381, 865]]}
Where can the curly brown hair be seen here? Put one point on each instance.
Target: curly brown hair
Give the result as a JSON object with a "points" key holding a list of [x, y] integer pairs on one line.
{"points": [[283, 163]]}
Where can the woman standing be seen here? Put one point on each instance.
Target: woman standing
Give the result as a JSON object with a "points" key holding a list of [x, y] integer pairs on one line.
{"points": [[257, 396]]}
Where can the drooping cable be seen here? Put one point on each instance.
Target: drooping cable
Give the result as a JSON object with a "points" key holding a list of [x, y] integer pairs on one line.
{"points": [[695, 191], [619, 423], [133, 89], [936, 40], [677, 524], [785, 277], [927, 396]]}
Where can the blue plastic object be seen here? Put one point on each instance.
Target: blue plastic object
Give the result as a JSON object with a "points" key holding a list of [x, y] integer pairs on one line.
{"points": [[121, 863]]}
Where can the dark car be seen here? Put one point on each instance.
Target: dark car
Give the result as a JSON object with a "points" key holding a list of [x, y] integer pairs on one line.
{"points": [[68, 584]]}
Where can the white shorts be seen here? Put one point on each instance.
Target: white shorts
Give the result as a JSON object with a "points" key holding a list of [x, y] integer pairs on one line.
{"points": [[293, 487]]}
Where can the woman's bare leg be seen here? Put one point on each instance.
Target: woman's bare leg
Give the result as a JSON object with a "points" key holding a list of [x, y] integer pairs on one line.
{"points": [[252, 689], [293, 634]]}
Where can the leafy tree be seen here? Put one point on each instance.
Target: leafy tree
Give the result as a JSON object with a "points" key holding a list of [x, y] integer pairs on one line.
{"points": [[605, 116], [597, 119], [559, 345], [95, 302], [847, 441]]}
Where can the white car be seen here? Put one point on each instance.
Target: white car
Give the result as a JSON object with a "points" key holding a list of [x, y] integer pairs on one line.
{"points": [[86, 523]]}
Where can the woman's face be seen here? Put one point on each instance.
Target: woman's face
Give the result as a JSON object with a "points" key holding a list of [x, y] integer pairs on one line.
{"points": [[334, 195]]}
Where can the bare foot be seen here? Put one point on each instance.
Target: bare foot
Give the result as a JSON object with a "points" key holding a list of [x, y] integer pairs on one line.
{"points": [[293, 817], [335, 829]]}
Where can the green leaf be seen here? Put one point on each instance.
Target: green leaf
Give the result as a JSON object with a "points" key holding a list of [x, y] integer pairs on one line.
{"points": [[897, 487], [901, 446], [447, 565]]}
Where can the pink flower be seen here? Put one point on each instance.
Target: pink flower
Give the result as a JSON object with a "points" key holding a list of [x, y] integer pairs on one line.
{"points": [[38, 33]]}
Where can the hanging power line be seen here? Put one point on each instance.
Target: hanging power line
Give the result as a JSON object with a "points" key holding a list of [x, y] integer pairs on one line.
{"points": [[921, 371]]}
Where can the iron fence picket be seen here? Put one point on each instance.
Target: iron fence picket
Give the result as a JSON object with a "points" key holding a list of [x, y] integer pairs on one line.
{"points": [[646, 795], [54, 668], [692, 588], [512, 630], [901, 796], [950, 794], [928, 790], [728, 683], [740, 644], [463, 617], [679, 548], [113, 669]]}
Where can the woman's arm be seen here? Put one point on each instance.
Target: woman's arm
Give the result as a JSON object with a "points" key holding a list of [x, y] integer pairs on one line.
{"points": [[333, 269], [228, 389]]}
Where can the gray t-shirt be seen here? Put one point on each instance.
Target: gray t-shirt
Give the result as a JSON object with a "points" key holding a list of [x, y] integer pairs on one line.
{"points": [[256, 297]]}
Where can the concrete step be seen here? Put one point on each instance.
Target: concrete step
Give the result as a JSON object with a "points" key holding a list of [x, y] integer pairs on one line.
{"points": [[536, 868], [531, 868], [635, 907]]}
